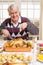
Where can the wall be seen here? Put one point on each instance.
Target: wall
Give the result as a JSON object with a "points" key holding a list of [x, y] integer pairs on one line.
{"points": [[41, 21]]}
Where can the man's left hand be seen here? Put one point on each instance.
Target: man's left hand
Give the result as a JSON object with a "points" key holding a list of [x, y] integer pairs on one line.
{"points": [[23, 26]]}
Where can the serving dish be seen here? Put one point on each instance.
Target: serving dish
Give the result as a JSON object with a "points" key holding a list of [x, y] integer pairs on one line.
{"points": [[40, 57], [18, 45], [7, 63]]}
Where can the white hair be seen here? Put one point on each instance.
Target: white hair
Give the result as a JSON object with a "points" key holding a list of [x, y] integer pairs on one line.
{"points": [[13, 6]]}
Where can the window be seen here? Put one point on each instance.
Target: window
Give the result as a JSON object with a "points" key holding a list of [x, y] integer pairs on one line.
{"points": [[3, 9], [29, 8]]}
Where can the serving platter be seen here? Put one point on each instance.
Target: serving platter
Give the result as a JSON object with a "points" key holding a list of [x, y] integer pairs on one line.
{"points": [[18, 45], [9, 49]]}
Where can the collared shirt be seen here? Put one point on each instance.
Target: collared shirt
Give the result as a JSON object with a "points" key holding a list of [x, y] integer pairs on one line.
{"points": [[19, 21]]}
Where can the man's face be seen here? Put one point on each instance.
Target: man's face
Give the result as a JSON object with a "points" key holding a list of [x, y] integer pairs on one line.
{"points": [[14, 14]]}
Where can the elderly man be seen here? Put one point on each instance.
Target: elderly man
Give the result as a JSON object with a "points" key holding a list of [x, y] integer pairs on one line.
{"points": [[16, 25]]}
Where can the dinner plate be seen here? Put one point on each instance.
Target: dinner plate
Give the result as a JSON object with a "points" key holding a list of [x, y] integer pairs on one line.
{"points": [[40, 57]]}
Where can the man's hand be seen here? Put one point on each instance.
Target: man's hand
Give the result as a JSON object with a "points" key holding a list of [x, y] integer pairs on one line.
{"points": [[5, 32], [23, 26]]}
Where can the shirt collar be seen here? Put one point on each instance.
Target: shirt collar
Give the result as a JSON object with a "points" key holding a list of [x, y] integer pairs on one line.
{"points": [[19, 21]]}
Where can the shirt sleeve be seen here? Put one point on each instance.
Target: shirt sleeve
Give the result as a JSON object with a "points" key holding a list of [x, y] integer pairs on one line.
{"points": [[32, 28], [2, 26]]}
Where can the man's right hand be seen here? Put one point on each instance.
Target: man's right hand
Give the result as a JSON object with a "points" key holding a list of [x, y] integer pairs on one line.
{"points": [[5, 32]]}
